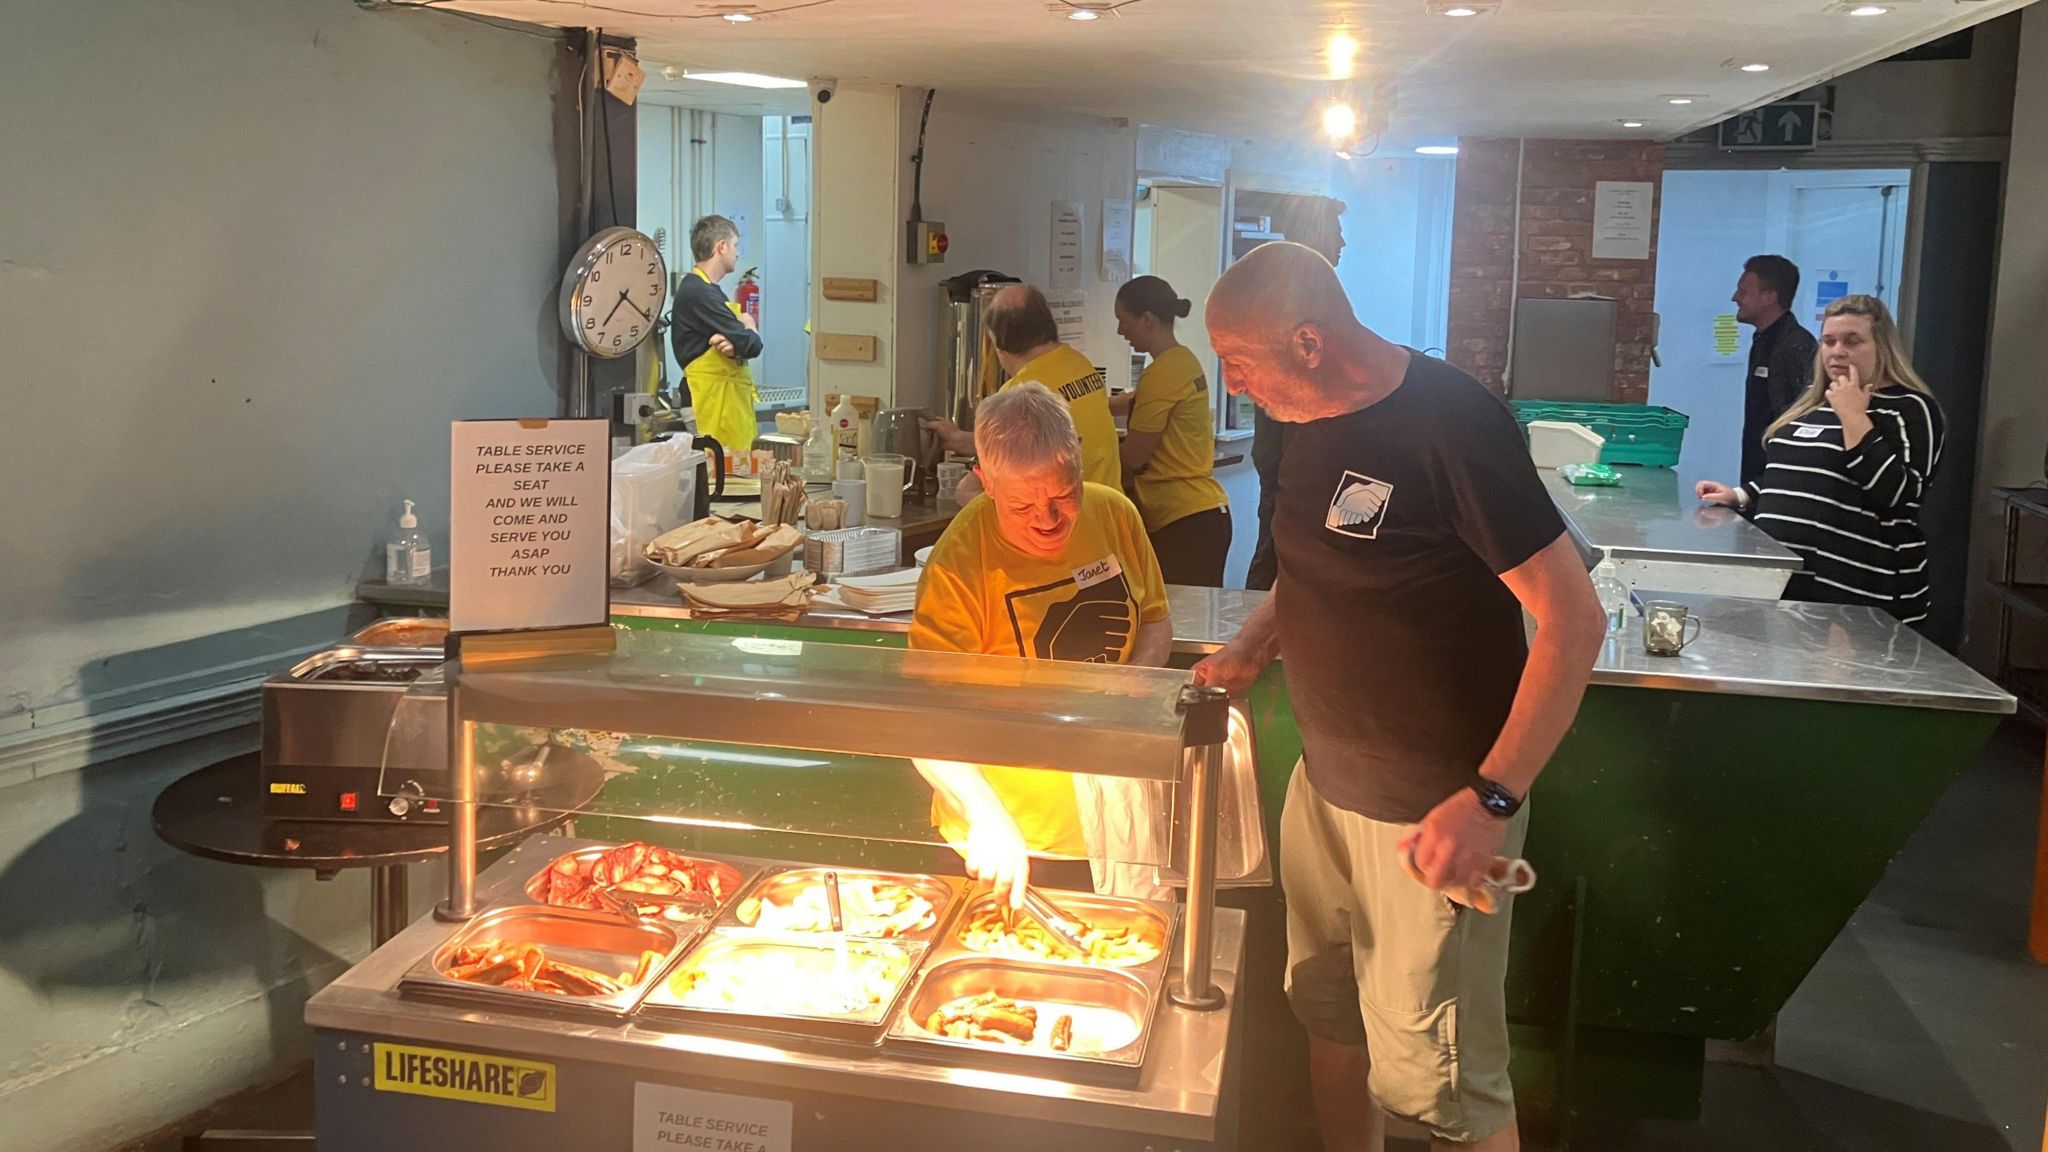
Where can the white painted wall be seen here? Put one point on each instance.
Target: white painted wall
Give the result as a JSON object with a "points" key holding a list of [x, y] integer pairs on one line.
{"points": [[1931, 99], [857, 231], [1187, 252], [254, 257], [2015, 420], [991, 174]]}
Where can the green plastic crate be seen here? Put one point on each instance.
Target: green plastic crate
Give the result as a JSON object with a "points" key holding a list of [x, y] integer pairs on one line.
{"points": [[1649, 435]]}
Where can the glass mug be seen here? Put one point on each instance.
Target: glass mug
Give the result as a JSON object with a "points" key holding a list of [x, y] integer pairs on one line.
{"points": [[1664, 626], [889, 476]]}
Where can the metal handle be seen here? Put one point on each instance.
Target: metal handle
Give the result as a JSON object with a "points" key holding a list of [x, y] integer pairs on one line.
{"points": [[461, 902], [1198, 919], [833, 908]]}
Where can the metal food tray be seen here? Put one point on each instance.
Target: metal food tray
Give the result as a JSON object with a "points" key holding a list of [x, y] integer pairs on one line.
{"points": [[1116, 911], [1104, 994], [664, 1004], [943, 892], [313, 668], [403, 632], [599, 941], [737, 873]]}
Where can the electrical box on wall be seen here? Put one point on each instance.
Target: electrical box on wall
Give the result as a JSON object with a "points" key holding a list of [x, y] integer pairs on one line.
{"points": [[926, 242]]}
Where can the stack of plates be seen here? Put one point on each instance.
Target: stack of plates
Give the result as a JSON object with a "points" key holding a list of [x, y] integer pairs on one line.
{"points": [[880, 595]]}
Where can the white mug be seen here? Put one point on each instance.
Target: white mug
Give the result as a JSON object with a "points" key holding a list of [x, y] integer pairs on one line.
{"points": [[855, 493]]}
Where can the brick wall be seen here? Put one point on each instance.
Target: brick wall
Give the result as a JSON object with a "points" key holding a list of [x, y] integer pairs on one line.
{"points": [[1557, 248]]}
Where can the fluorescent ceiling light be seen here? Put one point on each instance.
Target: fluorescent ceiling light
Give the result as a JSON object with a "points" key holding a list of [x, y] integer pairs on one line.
{"points": [[1869, 10], [1437, 150], [1461, 11], [1679, 100], [1084, 14], [1756, 67], [736, 18], [744, 79], [1340, 122]]}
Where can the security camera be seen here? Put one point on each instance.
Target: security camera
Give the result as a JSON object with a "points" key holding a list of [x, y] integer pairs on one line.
{"points": [[823, 90]]}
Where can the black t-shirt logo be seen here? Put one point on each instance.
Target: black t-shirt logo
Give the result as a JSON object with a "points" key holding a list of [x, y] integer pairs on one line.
{"points": [[1092, 626], [1359, 507]]}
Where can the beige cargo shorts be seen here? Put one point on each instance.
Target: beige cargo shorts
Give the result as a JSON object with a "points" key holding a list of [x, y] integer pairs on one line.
{"points": [[1376, 958]]}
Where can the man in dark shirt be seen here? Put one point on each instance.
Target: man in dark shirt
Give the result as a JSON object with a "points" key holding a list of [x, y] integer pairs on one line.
{"points": [[1412, 534], [714, 339], [1781, 356]]}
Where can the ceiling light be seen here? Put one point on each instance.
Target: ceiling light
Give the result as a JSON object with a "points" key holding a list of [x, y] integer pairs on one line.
{"points": [[736, 17], [1340, 122], [1631, 123], [1869, 10], [1756, 67], [1681, 100], [1437, 150], [1343, 54], [1461, 11], [1084, 14], [745, 79]]}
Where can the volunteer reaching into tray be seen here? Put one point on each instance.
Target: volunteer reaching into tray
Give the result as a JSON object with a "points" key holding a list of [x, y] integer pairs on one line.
{"points": [[1043, 566], [1412, 533], [1170, 455], [1028, 347]]}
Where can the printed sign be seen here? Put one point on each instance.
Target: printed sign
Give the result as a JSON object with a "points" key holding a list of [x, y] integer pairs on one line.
{"points": [[1727, 338], [1622, 212], [470, 1076], [1070, 315], [529, 524], [1066, 245], [667, 1118], [1829, 289], [1116, 240]]}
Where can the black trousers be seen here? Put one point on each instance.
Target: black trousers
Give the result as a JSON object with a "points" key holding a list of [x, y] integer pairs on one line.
{"points": [[1193, 548]]}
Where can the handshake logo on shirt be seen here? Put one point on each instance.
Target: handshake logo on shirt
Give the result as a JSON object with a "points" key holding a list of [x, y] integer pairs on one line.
{"points": [[1359, 507], [1093, 627]]}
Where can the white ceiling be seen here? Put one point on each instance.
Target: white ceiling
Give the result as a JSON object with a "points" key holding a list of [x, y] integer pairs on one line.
{"points": [[1534, 67]]}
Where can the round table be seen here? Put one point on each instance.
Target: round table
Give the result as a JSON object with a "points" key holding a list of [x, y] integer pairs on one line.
{"points": [[217, 812]]}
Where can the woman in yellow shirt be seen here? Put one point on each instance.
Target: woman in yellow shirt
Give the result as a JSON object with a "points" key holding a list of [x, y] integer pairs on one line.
{"points": [[1169, 455]]}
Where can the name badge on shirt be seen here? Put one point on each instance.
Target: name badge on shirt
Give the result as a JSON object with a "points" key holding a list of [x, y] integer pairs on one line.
{"points": [[1807, 432], [1102, 570], [1763, 372]]}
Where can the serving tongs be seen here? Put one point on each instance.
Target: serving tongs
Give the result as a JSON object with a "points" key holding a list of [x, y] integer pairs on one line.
{"points": [[627, 905], [1062, 926]]}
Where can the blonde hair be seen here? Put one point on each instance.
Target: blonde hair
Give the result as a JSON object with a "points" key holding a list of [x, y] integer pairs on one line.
{"points": [[1024, 429], [1893, 365]]}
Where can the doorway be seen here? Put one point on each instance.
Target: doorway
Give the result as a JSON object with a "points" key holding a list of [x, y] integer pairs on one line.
{"points": [[1845, 229]]}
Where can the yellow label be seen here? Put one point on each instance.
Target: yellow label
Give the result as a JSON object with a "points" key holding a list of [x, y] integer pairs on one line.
{"points": [[471, 1076], [285, 788]]}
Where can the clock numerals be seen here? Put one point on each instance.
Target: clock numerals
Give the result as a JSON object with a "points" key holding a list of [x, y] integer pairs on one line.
{"points": [[635, 331], [624, 250], [650, 268], [589, 322], [618, 340], [586, 301], [596, 275]]}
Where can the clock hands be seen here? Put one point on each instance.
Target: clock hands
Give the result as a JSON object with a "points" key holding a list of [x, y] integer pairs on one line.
{"points": [[615, 311]]}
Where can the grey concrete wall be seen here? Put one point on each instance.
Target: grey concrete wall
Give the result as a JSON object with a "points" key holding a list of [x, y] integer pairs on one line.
{"points": [[254, 256]]}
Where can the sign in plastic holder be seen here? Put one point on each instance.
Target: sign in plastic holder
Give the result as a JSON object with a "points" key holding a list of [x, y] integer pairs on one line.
{"points": [[528, 524]]}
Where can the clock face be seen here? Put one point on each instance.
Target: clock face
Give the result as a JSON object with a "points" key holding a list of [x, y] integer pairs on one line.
{"points": [[614, 293]]}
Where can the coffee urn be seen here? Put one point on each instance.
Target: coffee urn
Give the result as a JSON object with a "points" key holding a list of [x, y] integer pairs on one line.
{"points": [[967, 364]]}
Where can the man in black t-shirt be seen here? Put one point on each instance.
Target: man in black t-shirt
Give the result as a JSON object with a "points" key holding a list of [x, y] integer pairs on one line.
{"points": [[1412, 534]]}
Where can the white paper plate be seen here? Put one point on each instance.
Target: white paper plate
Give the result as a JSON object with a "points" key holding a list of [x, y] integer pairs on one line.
{"points": [[901, 580], [830, 598], [923, 554]]}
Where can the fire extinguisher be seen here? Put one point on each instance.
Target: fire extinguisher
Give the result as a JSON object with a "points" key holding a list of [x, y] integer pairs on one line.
{"points": [[750, 294]]}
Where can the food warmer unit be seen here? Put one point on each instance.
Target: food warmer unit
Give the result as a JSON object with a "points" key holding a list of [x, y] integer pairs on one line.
{"points": [[611, 994]]}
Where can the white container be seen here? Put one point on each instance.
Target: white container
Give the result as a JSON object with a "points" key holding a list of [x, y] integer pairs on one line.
{"points": [[886, 477], [407, 558], [855, 493], [1554, 443]]}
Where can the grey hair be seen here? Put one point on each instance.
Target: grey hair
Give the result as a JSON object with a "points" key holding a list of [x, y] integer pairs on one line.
{"points": [[1026, 428]]}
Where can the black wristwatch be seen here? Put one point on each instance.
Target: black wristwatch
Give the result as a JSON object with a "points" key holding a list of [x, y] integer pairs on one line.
{"points": [[1499, 803]]}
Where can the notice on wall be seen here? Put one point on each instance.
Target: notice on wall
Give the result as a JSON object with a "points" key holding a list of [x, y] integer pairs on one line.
{"points": [[666, 1119], [528, 524], [1116, 241], [1622, 211], [1726, 344], [1066, 245], [1829, 288], [1070, 312]]}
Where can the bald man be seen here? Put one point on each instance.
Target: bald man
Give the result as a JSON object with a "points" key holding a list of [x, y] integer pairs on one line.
{"points": [[1028, 347], [1412, 533]]}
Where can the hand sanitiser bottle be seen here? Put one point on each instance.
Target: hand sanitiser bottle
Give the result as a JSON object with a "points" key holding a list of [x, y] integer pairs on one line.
{"points": [[407, 559]]}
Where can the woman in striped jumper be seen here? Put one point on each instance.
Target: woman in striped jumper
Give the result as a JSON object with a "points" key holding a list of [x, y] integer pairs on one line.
{"points": [[1847, 466]]}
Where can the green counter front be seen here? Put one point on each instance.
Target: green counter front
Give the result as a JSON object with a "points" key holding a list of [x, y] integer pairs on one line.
{"points": [[1704, 832]]}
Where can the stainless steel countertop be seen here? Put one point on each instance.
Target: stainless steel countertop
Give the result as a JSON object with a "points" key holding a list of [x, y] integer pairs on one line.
{"points": [[1654, 516], [1178, 1097], [1746, 648]]}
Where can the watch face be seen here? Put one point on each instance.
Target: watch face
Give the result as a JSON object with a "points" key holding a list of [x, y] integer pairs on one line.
{"points": [[619, 296]]}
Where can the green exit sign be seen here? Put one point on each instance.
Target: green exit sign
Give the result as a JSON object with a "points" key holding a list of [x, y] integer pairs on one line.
{"points": [[1786, 126]]}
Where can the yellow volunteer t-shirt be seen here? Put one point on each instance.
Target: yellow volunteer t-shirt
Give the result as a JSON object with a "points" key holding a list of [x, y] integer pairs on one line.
{"points": [[1073, 379], [1179, 480], [978, 594]]}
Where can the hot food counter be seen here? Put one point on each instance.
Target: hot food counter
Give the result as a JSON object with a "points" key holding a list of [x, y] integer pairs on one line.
{"points": [[628, 994]]}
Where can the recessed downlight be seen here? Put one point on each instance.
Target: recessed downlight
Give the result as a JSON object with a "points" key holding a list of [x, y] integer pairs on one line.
{"points": [[1340, 122], [1631, 123], [736, 17], [1461, 11], [1756, 67], [1678, 100], [1084, 14], [1869, 10]]}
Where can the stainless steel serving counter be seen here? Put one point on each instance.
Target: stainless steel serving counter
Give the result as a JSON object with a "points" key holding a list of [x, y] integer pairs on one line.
{"points": [[1748, 647], [1659, 536], [1179, 1097]]}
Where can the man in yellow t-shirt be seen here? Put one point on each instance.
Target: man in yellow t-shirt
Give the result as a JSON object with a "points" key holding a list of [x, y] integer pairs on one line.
{"points": [[1042, 566], [1028, 347]]}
